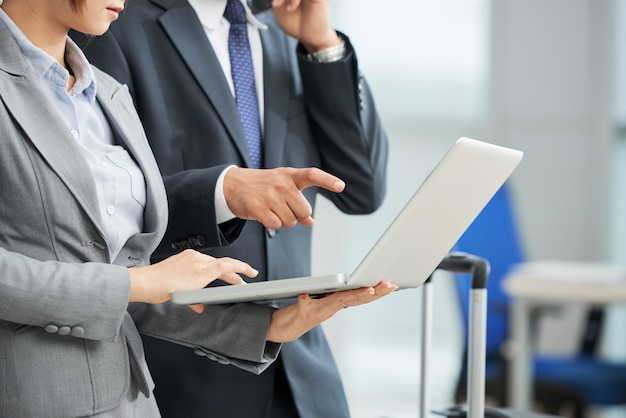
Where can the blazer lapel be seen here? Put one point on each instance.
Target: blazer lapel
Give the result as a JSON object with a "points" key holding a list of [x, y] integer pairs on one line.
{"points": [[45, 128], [182, 26], [117, 105]]}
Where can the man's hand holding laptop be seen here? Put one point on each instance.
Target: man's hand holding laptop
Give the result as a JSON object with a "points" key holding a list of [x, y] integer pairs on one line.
{"points": [[292, 321]]}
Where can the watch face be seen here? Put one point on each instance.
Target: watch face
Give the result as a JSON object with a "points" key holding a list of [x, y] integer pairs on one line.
{"points": [[258, 6]]}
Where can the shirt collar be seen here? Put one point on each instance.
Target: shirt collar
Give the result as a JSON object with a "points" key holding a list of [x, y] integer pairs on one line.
{"points": [[211, 13], [46, 67], [85, 79]]}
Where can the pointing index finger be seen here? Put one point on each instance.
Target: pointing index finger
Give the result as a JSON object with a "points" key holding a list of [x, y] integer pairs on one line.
{"points": [[307, 177]]}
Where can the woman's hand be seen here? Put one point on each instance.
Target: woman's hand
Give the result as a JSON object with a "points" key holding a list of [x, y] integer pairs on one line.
{"points": [[291, 322], [187, 270]]}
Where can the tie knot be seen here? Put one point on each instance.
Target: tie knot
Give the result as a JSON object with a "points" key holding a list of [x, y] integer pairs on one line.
{"points": [[235, 12]]}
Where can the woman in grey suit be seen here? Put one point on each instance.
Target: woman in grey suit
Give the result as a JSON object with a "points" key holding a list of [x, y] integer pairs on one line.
{"points": [[82, 209]]}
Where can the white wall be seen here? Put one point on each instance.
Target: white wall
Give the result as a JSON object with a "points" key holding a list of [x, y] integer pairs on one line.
{"points": [[551, 96]]}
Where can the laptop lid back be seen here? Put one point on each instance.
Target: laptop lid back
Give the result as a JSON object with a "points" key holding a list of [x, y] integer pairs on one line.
{"points": [[433, 220]]}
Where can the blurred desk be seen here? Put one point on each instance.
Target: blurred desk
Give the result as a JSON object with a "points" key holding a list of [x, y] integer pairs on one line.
{"points": [[537, 285]]}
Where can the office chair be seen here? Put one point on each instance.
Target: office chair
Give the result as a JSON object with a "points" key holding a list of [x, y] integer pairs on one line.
{"points": [[560, 383]]}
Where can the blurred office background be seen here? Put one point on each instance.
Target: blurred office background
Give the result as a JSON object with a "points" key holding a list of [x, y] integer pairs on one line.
{"points": [[544, 76]]}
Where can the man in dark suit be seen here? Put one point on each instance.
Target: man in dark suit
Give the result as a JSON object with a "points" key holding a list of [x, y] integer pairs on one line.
{"points": [[317, 111]]}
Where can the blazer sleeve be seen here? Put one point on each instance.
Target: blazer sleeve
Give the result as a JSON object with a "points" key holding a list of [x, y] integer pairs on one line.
{"points": [[230, 334], [352, 142], [237, 329], [32, 291], [192, 218]]}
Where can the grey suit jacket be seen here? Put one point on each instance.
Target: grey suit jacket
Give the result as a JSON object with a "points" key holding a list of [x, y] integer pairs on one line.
{"points": [[319, 115], [68, 337]]}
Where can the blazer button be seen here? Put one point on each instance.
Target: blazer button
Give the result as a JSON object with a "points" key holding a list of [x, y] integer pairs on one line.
{"points": [[201, 240], [176, 246], [77, 332], [64, 330], [185, 244], [52, 329], [271, 233], [199, 352], [193, 242], [361, 90]]}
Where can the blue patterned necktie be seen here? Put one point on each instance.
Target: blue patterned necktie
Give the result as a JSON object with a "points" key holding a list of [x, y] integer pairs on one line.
{"points": [[243, 78]]}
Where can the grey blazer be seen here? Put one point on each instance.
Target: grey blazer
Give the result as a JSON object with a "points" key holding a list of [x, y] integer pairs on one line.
{"points": [[69, 340]]}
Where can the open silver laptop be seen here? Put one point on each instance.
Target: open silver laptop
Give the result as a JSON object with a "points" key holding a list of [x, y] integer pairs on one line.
{"points": [[417, 240]]}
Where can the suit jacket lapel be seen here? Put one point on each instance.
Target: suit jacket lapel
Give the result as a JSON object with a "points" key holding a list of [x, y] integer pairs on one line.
{"points": [[182, 26], [276, 79]]}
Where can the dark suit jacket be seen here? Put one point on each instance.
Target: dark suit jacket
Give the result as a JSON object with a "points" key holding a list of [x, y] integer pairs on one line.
{"points": [[319, 115]]}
